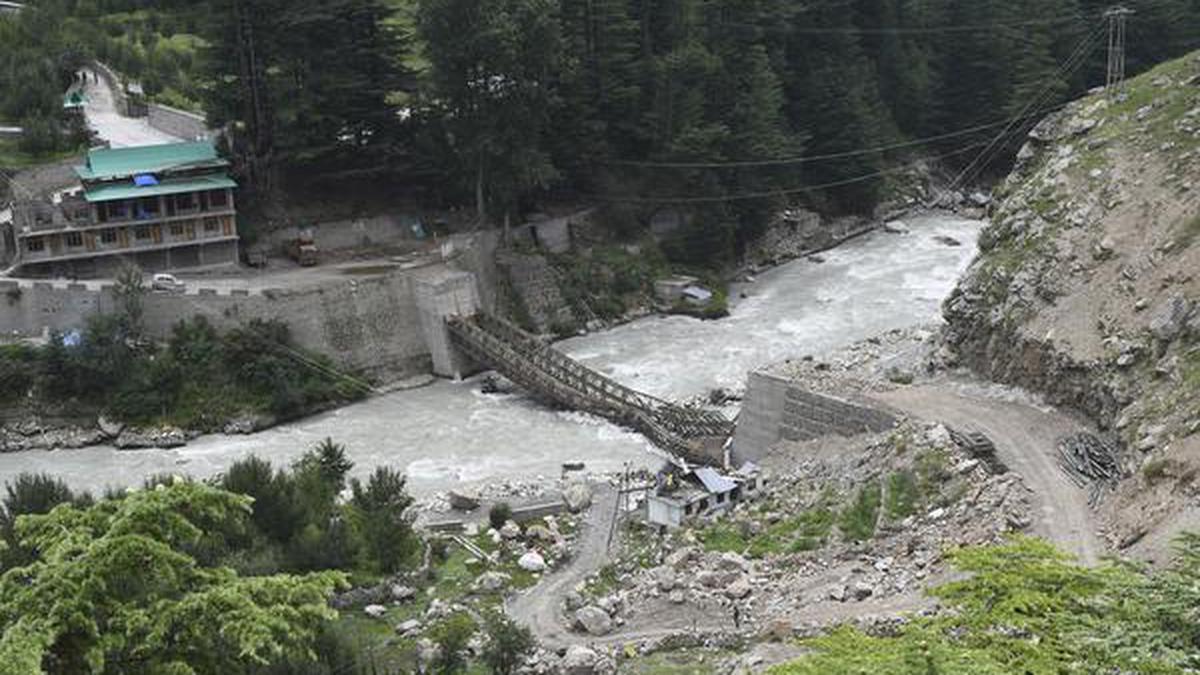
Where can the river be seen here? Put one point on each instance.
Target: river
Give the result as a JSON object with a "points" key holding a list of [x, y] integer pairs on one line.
{"points": [[449, 433]]}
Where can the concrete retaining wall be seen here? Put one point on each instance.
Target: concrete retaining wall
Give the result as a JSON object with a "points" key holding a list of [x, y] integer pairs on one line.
{"points": [[524, 514], [179, 123], [370, 326], [777, 409], [349, 234], [552, 235]]}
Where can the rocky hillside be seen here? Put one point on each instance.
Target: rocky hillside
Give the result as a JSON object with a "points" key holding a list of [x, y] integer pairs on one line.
{"points": [[1087, 288]]}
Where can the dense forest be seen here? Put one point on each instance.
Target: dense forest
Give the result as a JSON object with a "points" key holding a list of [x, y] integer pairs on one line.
{"points": [[505, 104]]}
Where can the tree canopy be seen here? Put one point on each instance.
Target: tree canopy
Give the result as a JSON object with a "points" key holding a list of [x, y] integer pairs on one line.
{"points": [[122, 586]]}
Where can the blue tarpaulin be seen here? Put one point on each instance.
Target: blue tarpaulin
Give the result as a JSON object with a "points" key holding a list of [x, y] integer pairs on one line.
{"points": [[145, 180]]}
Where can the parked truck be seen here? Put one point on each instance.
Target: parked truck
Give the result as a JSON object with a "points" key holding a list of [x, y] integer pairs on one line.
{"points": [[303, 248]]}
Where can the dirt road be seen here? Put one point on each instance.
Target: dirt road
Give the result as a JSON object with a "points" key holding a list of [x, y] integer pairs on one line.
{"points": [[538, 607], [1025, 439]]}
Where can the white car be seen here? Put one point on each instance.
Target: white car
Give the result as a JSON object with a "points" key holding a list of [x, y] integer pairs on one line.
{"points": [[166, 283]]}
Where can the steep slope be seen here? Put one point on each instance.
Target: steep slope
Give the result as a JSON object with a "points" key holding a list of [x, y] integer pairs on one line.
{"points": [[1087, 287]]}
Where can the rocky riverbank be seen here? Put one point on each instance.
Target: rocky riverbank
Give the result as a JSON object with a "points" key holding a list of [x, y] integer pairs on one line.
{"points": [[29, 431]]}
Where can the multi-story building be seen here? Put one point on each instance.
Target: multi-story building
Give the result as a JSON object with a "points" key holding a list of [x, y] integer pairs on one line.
{"points": [[158, 207]]}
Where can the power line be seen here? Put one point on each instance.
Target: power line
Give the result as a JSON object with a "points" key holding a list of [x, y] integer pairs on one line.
{"points": [[1077, 57], [924, 30], [804, 159], [786, 191]]}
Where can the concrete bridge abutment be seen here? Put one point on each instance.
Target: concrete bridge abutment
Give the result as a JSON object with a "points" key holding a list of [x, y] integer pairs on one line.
{"points": [[439, 295]]}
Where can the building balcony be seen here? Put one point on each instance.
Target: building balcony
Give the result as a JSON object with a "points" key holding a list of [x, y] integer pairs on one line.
{"points": [[108, 239]]}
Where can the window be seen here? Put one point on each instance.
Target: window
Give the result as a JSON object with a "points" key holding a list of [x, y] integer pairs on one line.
{"points": [[108, 236], [176, 229], [74, 239], [184, 202], [35, 244], [147, 207], [141, 232], [116, 210], [217, 198], [212, 224]]}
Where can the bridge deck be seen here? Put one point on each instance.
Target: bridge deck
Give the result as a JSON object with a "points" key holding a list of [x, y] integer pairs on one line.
{"points": [[688, 433]]}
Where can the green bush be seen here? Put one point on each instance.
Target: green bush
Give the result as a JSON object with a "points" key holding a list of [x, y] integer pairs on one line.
{"points": [[451, 636], [508, 644], [199, 381], [857, 521], [19, 372], [381, 515], [499, 514], [902, 495]]}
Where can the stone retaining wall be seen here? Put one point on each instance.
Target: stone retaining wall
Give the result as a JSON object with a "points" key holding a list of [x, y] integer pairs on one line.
{"points": [[777, 409], [179, 123]]}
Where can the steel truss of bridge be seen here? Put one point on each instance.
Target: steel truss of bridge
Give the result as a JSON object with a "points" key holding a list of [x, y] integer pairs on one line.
{"points": [[689, 434]]}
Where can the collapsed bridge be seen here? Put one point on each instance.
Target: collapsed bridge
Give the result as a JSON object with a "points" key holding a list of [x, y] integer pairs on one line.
{"points": [[689, 434]]}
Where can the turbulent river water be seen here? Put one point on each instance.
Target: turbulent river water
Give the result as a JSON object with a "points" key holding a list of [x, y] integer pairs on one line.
{"points": [[449, 433]]}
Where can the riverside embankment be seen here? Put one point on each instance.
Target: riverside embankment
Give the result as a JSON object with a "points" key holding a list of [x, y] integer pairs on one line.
{"points": [[449, 433]]}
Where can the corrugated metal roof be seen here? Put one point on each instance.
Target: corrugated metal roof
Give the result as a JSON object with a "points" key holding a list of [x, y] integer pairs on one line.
{"points": [[105, 163], [713, 481], [127, 190]]}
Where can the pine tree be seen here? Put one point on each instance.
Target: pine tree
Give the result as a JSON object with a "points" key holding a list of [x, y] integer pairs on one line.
{"points": [[833, 94], [492, 65]]}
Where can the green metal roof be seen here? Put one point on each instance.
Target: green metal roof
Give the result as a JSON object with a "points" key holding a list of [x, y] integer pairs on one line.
{"points": [[108, 163], [127, 190]]}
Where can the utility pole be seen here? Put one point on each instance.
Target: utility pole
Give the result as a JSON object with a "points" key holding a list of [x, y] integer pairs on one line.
{"points": [[1117, 17]]}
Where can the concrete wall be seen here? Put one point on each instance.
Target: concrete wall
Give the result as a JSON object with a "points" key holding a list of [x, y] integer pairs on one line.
{"points": [[348, 234], [179, 123], [553, 234], [440, 293], [31, 310], [371, 326], [777, 409]]}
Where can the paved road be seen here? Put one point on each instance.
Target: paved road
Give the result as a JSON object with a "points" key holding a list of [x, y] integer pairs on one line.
{"points": [[111, 126], [1025, 438]]}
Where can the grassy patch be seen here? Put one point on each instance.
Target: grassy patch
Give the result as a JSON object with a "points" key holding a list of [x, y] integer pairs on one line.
{"points": [[932, 468], [805, 531], [12, 157], [857, 521], [903, 496], [609, 280]]}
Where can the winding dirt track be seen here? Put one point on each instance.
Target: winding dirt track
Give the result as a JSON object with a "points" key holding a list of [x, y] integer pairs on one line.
{"points": [[1025, 439]]}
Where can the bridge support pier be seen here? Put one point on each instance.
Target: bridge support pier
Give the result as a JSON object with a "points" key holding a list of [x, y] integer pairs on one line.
{"points": [[441, 294]]}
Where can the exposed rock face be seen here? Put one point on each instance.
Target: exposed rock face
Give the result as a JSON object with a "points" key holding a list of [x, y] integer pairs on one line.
{"points": [[1087, 287]]}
